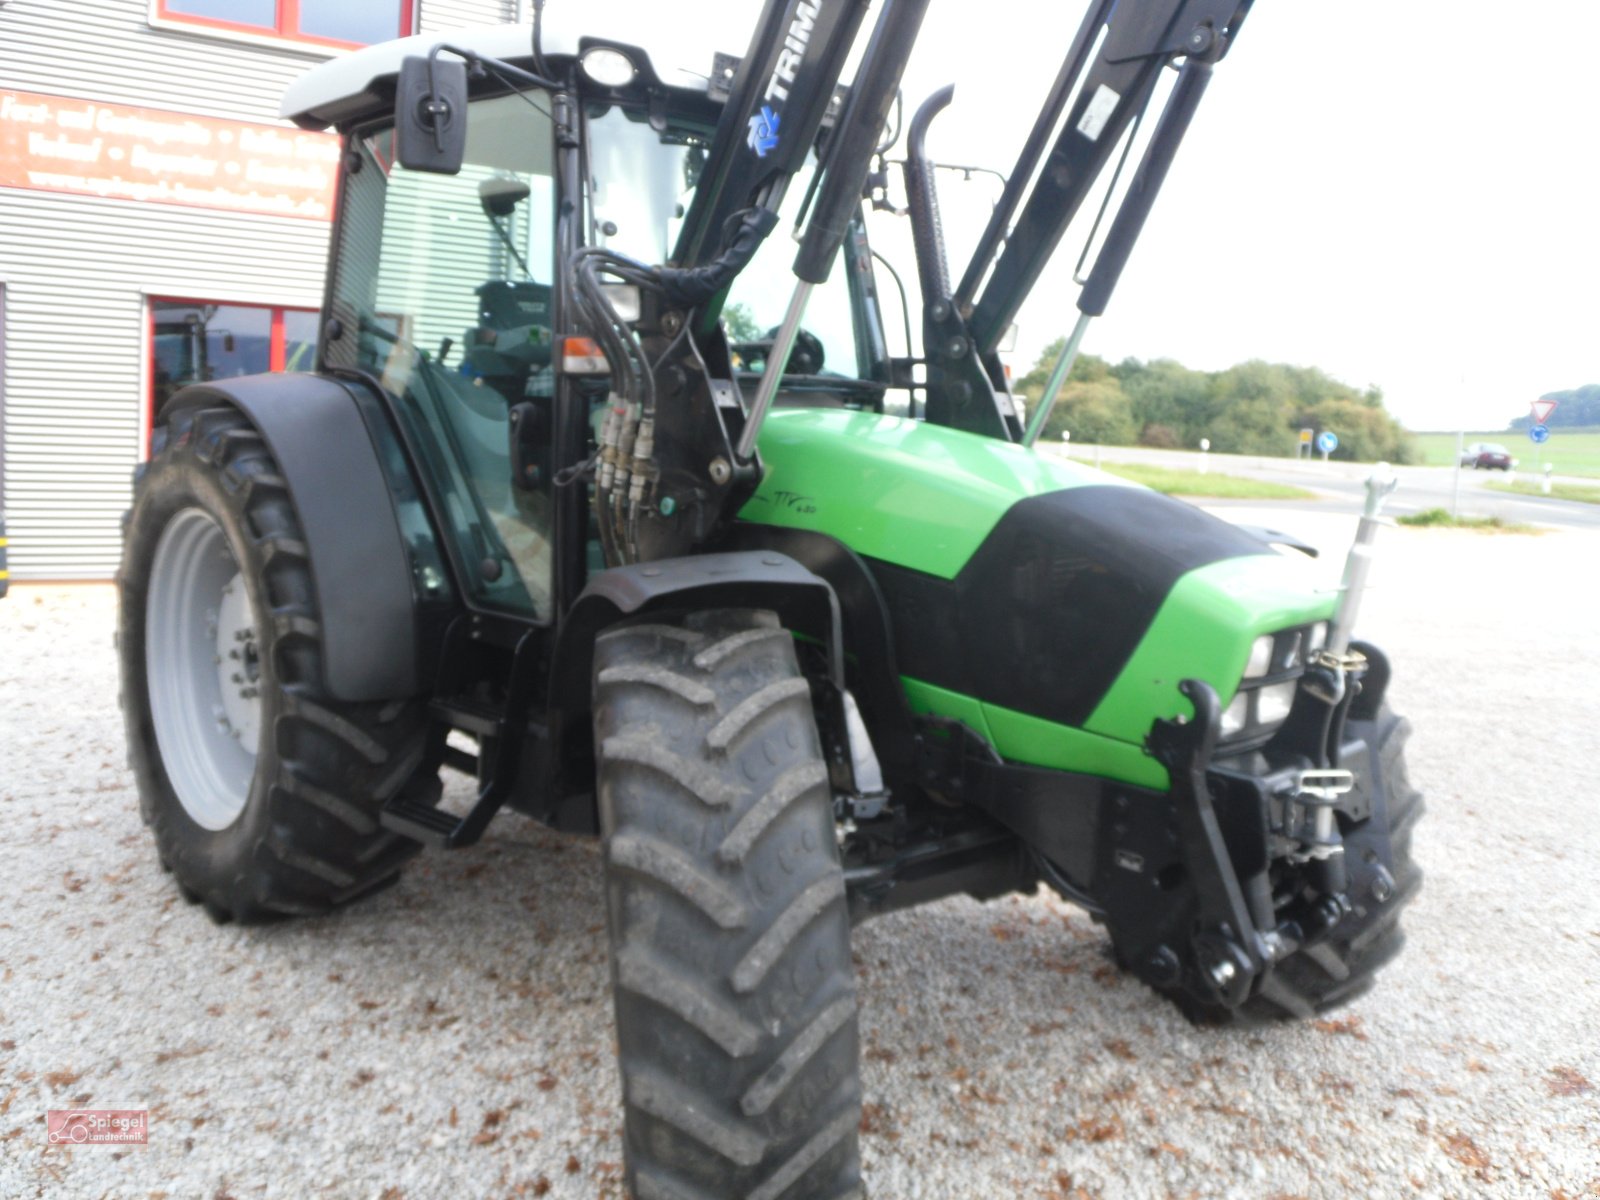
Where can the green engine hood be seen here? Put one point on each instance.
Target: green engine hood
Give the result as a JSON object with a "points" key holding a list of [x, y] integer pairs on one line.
{"points": [[917, 495], [1050, 606]]}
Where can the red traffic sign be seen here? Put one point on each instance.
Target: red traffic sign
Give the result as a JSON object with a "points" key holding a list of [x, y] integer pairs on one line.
{"points": [[1542, 410]]}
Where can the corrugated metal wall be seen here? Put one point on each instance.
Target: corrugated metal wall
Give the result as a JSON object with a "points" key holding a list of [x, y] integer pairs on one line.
{"points": [[453, 14], [78, 269]]}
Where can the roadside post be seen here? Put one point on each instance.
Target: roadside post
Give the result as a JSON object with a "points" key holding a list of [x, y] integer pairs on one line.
{"points": [[1327, 442], [1205, 446], [1548, 467], [1455, 482], [1539, 434], [1066, 443]]}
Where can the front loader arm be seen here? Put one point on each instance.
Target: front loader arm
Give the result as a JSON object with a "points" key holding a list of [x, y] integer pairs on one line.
{"points": [[781, 91], [1108, 92], [677, 449]]}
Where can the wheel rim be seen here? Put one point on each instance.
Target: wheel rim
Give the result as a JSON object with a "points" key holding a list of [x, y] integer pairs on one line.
{"points": [[204, 670]]}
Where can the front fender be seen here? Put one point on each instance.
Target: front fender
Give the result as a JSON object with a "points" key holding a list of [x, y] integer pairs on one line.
{"points": [[741, 579]]}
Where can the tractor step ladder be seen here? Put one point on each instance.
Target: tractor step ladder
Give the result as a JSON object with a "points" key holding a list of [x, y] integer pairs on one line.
{"points": [[415, 812]]}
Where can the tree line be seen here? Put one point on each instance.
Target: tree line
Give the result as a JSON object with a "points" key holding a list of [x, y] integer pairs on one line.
{"points": [[1253, 408], [1576, 406]]}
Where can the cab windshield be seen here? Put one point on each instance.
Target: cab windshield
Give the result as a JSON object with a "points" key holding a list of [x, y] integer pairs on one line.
{"points": [[640, 184]]}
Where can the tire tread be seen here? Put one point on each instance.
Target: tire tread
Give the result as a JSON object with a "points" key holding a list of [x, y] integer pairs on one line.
{"points": [[738, 1040], [326, 766]]}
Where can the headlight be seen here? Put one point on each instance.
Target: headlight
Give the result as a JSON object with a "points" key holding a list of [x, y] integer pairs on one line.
{"points": [[1260, 657], [1288, 658], [1273, 703], [1271, 677], [607, 67], [1316, 638], [1237, 715]]}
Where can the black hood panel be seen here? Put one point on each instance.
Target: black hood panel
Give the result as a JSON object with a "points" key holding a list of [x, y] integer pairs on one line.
{"points": [[1045, 615]]}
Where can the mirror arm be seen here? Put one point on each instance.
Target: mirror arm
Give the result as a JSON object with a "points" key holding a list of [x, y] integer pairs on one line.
{"points": [[478, 66]]}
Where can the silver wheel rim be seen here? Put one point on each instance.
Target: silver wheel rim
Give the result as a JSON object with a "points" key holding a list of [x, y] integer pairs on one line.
{"points": [[203, 666]]}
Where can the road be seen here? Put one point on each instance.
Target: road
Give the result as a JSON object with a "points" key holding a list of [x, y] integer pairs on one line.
{"points": [[1342, 486]]}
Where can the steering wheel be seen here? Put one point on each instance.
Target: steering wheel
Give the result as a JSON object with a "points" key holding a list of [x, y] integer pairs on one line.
{"points": [[806, 358]]}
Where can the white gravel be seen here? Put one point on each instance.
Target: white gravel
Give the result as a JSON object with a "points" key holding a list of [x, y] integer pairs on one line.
{"points": [[451, 1037]]}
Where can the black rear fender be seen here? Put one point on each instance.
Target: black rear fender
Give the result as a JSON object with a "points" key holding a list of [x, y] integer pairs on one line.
{"points": [[338, 454]]}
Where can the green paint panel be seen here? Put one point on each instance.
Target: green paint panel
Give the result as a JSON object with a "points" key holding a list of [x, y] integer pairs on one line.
{"points": [[929, 701], [909, 493], [1039, 743], [1203, 631]]}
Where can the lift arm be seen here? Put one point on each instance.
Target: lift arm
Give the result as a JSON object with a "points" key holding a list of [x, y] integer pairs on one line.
{"points": [[1108, 91], [677, 447], [780, 94]]}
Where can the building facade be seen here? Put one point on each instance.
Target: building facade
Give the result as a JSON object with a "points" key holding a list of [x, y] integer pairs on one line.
{"points": [[158, 224]]}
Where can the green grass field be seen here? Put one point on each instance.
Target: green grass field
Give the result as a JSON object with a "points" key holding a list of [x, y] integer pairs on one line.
{"points": [[1573, 451], [1192, 483], [1561, 491], [1438, 518]]}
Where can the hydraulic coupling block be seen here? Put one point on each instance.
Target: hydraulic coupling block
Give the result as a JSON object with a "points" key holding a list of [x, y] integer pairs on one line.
{"points": [[1309, 819]]}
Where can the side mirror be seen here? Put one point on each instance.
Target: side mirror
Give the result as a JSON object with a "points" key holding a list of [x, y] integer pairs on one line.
{"points": [[430, 114]]}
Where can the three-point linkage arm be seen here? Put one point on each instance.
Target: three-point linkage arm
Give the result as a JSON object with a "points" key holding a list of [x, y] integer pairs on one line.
{"points": [[1045, 191]]}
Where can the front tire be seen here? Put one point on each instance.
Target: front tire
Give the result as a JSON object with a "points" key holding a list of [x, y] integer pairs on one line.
{"points": [[262, 790], [1336, 971], [735, 1003], [1383, 879]]}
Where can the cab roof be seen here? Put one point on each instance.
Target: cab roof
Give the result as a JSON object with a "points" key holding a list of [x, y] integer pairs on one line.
{"points": [[361, 83]]}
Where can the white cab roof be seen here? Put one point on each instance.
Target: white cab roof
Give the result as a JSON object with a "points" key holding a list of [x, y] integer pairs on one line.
{"points": [[347, 86]]}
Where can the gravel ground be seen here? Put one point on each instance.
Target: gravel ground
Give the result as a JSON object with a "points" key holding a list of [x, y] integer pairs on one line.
{"points": [[451, 1037]]}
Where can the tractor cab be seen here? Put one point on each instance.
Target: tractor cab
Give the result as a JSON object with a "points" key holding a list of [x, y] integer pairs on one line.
{"points": [[445, 287]]}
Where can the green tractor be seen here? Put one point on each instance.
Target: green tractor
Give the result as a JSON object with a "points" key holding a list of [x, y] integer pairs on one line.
{"points": [[803, 630]]}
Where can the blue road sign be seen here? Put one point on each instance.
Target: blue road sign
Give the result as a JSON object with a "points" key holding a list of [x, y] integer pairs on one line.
{"points": [[1539, 434], [1327, 441]]}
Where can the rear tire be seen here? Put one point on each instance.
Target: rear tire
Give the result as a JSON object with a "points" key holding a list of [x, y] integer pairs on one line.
{"points": [[735, 1003], [284, 819]]}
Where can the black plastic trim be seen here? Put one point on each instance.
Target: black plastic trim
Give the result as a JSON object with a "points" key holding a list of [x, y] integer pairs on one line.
{"points": [[870, 661], [749, 579]]}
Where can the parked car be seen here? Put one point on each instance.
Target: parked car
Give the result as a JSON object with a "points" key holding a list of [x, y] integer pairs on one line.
{"points": [[1487, 456]]}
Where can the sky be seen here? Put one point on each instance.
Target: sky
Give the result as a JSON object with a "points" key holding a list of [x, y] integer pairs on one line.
{"points": [[1405, 193]]}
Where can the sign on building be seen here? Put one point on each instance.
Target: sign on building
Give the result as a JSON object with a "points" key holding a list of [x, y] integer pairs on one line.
{"points": [[56, 144]]}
